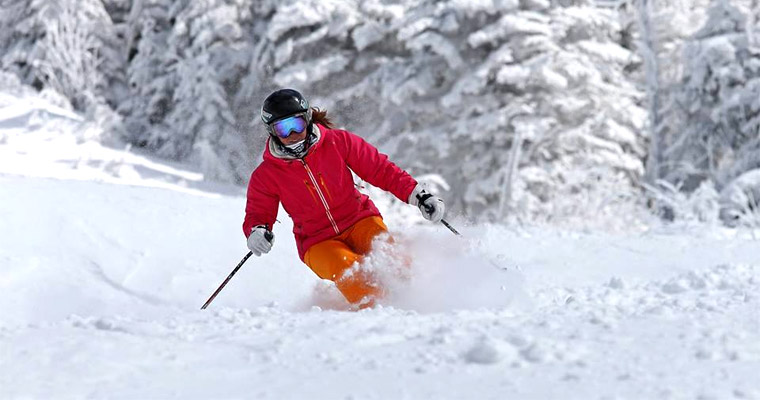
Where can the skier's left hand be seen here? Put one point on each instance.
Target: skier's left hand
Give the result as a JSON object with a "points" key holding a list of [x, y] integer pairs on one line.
{"points": [[431, 206]]}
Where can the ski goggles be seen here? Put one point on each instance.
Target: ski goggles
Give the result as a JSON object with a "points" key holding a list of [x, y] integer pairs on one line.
{"points": [[285, 127]]}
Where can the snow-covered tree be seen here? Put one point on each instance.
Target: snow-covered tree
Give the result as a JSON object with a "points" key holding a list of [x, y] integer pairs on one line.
{"points": [[150, 84], [71, 59], [62, 44], [23, 23], [186, 63], [451, 88], [211, 57], [656, 31], [522, 106], [740, 200], [719, 123]]}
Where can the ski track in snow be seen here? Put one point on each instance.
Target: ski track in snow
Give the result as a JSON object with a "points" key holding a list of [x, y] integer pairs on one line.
{"points": [[106, 261]]}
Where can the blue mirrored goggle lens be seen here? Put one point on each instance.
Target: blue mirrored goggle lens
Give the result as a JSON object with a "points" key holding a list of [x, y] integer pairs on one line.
{"points": [[284, 127]]}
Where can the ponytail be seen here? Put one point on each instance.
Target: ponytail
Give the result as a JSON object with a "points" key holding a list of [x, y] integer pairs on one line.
{"points": [[320, 117]]}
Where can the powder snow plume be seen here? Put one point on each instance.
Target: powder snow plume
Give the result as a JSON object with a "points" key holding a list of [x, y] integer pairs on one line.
{"points": [[431, 270]]}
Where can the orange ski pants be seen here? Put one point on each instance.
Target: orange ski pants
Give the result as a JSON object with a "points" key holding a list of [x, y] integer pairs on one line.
{"points": [[331, 258]]}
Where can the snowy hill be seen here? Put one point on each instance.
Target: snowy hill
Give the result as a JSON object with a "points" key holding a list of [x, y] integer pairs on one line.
{"points": [[106, 257]]}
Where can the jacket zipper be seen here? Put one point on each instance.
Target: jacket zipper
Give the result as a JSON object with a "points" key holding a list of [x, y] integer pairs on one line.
{"points": [[321, 196]]}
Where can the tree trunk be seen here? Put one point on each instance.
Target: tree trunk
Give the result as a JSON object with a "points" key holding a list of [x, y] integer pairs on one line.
{"points": [[649, 54], [505, 202], [134, 15]]}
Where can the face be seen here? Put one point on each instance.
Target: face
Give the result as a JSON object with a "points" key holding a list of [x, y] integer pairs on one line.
{"points": [[290, 130], [294, 138]]}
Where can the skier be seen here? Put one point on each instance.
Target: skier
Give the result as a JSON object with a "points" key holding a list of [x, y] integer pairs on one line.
{"points": [[307, 167]]}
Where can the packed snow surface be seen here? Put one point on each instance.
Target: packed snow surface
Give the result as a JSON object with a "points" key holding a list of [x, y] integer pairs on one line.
{"points": [[106, 257]]}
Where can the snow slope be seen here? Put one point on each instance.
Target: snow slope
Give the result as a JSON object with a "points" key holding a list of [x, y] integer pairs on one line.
{"points": [[106, 257]]}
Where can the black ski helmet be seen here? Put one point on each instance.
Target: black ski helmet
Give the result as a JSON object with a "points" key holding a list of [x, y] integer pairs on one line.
{"points": [[282, 104]]}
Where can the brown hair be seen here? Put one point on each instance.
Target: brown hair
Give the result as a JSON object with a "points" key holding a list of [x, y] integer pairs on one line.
{"points": [[320, 117]]}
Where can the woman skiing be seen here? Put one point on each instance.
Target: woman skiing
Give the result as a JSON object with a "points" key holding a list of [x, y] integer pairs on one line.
{"points": [[307, 167]]}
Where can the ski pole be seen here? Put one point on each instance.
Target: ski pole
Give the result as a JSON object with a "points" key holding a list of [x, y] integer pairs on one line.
{"points": [[430, 210], [210, 299], [268, 236], [451, 228]]}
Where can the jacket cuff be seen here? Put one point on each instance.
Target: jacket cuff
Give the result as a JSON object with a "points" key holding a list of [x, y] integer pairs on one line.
{"points": [[256, 227], [413, 197]]}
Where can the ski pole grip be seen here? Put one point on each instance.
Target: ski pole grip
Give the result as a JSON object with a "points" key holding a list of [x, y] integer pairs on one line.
{"points": [[421, 200], [268, 235]]}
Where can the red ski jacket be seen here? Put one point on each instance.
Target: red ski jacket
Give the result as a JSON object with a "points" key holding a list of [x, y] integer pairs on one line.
{"points": [[318, 191]]}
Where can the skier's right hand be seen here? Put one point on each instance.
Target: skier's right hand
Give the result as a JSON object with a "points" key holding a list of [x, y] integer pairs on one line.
{"points": [[260, 240]]}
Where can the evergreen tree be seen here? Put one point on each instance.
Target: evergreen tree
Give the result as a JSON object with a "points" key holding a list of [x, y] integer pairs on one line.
{"points": [[527, 108], [453, 87], [151, 87], [62, 44], [23, 23], [720, 102], [208, 40]]}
